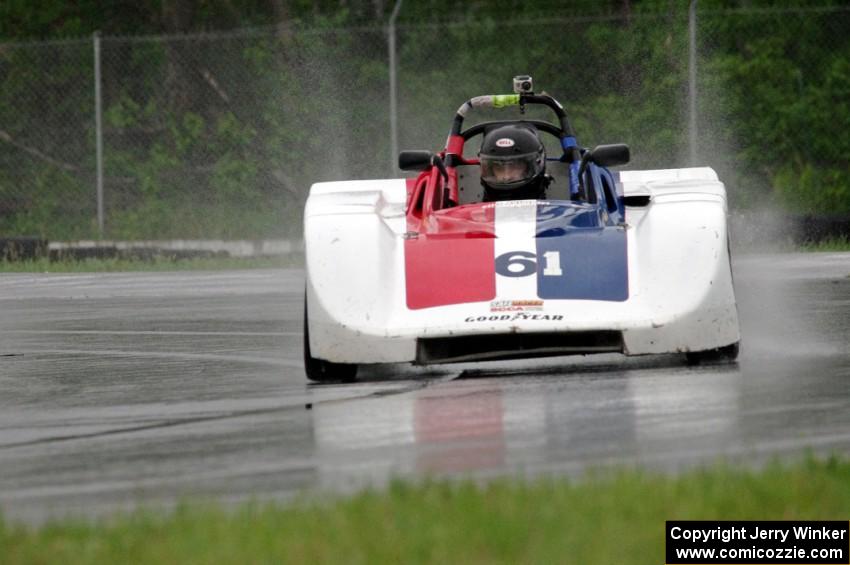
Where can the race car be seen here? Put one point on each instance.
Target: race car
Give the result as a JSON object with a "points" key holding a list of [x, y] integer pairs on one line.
{"points": [[516, 254]]}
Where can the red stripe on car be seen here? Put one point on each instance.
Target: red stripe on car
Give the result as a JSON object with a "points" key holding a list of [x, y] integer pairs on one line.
{"points": [[451, 259]]}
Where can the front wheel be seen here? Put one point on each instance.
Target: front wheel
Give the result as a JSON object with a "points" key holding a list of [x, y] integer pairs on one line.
{"points": [[321, 371], [719, 355]]}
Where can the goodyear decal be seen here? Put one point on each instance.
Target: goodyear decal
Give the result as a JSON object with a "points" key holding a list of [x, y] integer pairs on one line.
{"points": [[517, 317]]}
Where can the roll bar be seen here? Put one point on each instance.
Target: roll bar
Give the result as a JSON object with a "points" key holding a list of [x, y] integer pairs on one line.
{"points": [[505, 100], [572, 155]]}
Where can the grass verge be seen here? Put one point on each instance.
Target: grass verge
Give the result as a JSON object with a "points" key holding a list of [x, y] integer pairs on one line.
{"points": [[161, 263], [829, 244], [605, 518]]}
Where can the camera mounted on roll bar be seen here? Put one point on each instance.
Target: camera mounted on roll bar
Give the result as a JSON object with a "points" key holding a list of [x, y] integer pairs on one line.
{"points": [[523, 84]]}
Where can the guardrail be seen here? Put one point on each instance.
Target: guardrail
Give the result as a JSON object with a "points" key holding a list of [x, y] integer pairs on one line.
{"points": [[27, 248]]}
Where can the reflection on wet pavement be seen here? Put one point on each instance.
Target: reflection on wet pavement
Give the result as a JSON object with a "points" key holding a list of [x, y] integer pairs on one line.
{"points": [[120, 389]]}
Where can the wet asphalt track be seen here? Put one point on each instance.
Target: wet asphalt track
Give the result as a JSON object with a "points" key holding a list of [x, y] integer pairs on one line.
{"points": [[119, 389]]}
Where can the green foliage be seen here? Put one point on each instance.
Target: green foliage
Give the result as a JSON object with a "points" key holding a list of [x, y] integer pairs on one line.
{"points": [[221, 136], [835, 244], [46, 210], [811, 189], [606, 517], [777, 84]]}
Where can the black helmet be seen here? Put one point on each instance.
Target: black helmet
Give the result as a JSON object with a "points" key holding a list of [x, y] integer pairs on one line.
{"points": [[513, 163]]}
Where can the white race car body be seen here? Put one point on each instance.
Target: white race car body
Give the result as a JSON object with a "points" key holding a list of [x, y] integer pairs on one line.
{"points": [[536, 280]]}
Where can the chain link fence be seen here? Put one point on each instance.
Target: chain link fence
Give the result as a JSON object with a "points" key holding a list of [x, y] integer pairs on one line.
{"points": [[221, 135], [773, 99], [47, 172]]}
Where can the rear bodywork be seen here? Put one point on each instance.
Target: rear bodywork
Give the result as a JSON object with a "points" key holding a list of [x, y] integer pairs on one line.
{"points": [[393, 275]]}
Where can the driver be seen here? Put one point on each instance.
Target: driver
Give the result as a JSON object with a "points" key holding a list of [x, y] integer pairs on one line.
{"points": [[513, 164]]}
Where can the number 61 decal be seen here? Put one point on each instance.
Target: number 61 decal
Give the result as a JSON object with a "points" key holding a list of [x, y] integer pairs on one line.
{"points": [[523, 264]]}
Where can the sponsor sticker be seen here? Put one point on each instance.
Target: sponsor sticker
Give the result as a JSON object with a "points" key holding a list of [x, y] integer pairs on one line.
{"points": [[516, 305], [512, 204], [505, 142]]}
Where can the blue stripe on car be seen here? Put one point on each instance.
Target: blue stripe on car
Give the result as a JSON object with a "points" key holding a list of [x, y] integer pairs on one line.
{"points": [[593, 260]]}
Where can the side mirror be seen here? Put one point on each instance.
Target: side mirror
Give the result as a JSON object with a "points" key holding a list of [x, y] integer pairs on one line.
{"points": [[414, 160], [610, 155], [420, 160], [604, 156]]}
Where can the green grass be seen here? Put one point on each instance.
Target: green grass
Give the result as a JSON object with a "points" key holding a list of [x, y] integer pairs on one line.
{"points": [[610, 517], [831, 244], [154, 264]]}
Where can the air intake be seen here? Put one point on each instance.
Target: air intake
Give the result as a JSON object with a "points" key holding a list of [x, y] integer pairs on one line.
{"points": [[484, 347]]}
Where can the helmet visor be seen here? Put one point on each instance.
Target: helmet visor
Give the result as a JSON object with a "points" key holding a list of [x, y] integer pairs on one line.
{"points": [[508, 172]]}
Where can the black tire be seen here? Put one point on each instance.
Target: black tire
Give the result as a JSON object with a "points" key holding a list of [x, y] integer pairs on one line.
{"points": [[321, 371], [725, 354]]}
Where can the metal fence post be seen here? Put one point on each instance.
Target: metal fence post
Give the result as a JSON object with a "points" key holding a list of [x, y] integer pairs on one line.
{"points": [[98, 133], [393, 94], [692, 83]]}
